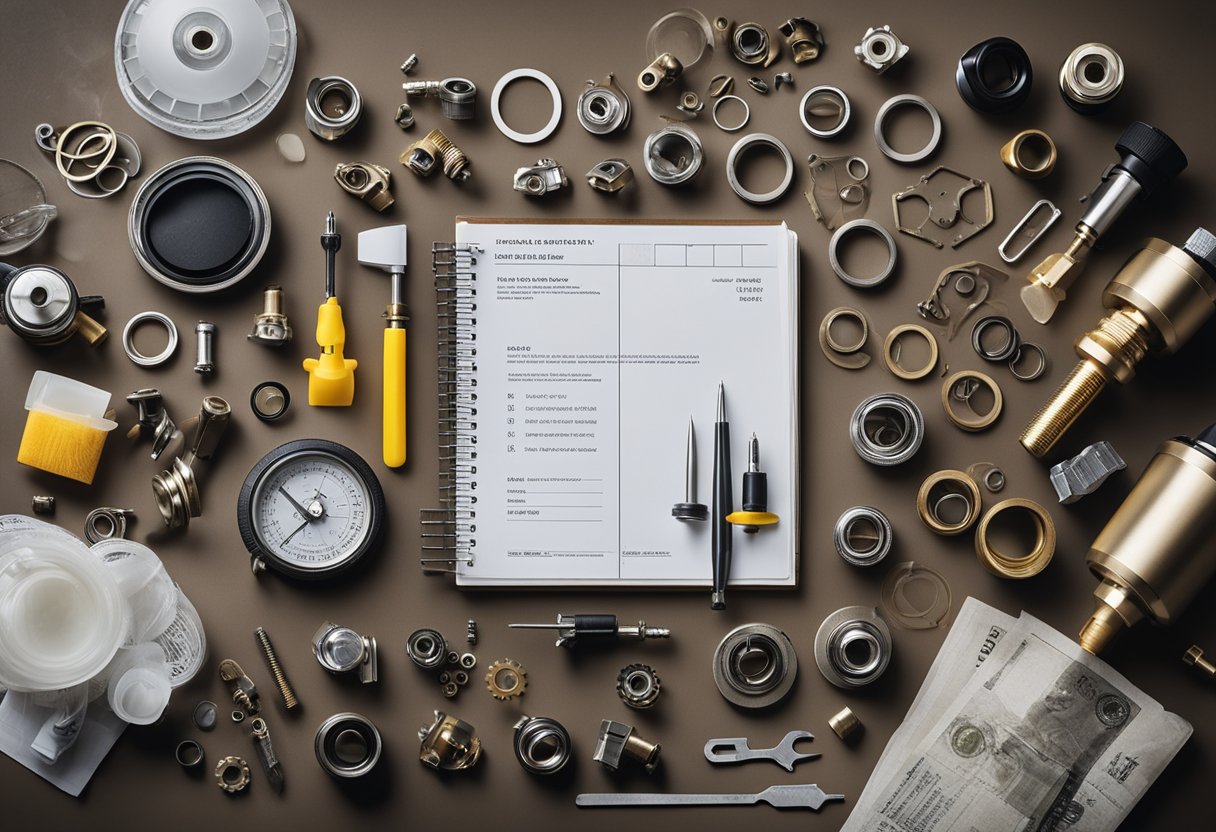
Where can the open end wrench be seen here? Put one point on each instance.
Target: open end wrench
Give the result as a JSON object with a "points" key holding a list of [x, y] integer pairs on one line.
{"points": [[736, 750]]}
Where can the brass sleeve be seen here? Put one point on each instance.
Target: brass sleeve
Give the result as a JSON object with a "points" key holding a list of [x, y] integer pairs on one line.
{"points": [[893, 337], [942, 484], [976, 421], [1017, 566]]}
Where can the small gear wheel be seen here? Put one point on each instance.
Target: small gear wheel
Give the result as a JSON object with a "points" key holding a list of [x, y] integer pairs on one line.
{"points": [[638, 686], [506, 679], [232, 774]]}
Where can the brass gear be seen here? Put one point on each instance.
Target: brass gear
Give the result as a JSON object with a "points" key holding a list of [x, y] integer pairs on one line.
{"points": [[506, 679]]}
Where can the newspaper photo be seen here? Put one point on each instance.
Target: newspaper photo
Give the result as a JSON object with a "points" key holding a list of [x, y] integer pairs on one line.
{"points": [[1017, 728]]}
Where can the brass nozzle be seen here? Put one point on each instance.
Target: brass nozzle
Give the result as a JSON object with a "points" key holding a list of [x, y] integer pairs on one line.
{"points": [[1101, 628]]}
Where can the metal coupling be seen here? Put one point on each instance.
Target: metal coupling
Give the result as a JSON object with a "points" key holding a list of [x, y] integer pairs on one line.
{"points": [[1031, 154], [286, 691], [1027, 564], [1160, 298], [673, 154], [1084, 473], [367, 182], [846, 725], [435, 150], [152, 419], [176, 489], [804, 39], [542, 745], [662, 72], [610, 176], [880, 49], [204, 348], [342, 650], [603, 108], [457, 96], [618, 742], [270, 326], [332, 107], [449, 743], [1090, 77], [541, 178], [638, 686]]}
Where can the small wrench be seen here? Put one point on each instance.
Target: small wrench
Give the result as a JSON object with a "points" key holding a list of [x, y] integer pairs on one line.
{"points": [[735, 750]]}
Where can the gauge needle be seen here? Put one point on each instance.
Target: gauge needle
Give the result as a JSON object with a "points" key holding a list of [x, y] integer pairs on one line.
{"points": [[303, 512], [297, 531]]}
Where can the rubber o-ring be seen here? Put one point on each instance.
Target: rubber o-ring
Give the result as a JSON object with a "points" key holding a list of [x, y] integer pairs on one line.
{"points": [[496, 102]]}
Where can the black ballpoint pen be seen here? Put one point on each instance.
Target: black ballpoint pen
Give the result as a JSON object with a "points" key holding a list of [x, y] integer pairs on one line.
{"points": [[723, 504]]}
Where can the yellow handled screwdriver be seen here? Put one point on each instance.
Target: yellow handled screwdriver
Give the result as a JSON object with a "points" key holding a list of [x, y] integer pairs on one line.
{"points": [[385, 248], [331, 378]]}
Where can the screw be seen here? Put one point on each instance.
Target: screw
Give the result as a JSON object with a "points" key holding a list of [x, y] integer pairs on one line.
{"points": [[407, 66], [471, 632], [276, 669], [204, 362], [1194, 656]]}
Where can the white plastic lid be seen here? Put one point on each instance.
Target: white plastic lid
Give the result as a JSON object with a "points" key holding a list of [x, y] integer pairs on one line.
{"points": [[207, 69], [71, 399], [139, 687]]}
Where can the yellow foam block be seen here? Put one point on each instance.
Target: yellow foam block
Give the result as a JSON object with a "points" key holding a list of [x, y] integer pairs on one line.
{"points": [[61, 446]]}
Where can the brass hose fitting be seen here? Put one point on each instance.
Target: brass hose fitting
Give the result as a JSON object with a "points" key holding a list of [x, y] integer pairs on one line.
{"points": [[436, 149], [1159, 548], [1160, 297]]}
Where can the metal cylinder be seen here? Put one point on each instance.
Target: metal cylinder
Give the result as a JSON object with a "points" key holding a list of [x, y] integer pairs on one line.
{"points": [[204, 361], [1159, 548], [1167, 285]]}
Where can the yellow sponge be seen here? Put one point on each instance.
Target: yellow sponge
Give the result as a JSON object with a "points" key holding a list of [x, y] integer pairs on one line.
{"points": [[61, 446]]}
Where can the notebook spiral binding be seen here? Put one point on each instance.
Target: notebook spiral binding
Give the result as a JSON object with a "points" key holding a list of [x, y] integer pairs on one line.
{"points": [[448, 540]]}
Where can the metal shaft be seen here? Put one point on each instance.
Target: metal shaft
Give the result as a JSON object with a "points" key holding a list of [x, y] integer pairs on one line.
{"points": [[331, 241], [290, 701], [660, 799], [723, 504], [690, 466]]}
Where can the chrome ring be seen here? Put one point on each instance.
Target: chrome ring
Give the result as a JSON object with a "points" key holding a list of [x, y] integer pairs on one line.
{"points": [[1016, 361], [128, 339], [353, 731], [751, 142], [321, 124], [880, 127], [1008, 350], [747, 113], [830, 93], [846, 525], [853, 647], [856, 227], [898, 414], [542, 745]]}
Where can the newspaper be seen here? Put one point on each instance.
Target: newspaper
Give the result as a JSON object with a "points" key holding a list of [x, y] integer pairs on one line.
{"points": [[1017, 728]]}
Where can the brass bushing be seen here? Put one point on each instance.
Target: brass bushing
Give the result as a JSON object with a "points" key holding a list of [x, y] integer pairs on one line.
{"points": [[1030, 154], [969, 420], [1026, 565], [890, 351], [938, 492]]}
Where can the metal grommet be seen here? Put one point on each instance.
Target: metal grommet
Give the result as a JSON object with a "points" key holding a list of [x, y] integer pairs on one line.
{"points": [[1016, 362], [1090, 77], [960, 387], [1007, 350], [853, 647], [673, 155], [890, 351], [845, 356], [755, 666], [496, 101], [347, 745], [332, 107], [238, 716], [815, 98], [992, 477], [468, 661], [942, 489], [189, 754], [128, 339], [1017, 566], [751, 142], [880, 125], [887, 429], [747, 113], [232, 774], [1031, 154], [863, 536], [426, 648], [856, 227], [542, 745], [269, 401]]}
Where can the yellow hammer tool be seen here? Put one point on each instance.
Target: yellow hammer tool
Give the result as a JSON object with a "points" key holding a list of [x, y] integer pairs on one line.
{"points": [[385, 248], [331, 378]]}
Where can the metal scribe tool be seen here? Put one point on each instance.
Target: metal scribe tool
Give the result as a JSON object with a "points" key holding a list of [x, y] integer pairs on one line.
{"points": [[690, 509], [808, 796]]}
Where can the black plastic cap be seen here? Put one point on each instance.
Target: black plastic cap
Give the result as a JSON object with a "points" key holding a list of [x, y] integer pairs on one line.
{"points": [[1149, 155], [994, 76], [1201, 245]]}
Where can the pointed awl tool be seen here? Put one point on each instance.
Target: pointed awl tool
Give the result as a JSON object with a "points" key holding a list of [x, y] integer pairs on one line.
{"points": [[690, 509], [736, 750], [808, 796]]}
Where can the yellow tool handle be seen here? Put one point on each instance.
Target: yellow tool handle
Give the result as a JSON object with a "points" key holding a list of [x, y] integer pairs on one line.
{"points": [[394, 397], [331, 377]]}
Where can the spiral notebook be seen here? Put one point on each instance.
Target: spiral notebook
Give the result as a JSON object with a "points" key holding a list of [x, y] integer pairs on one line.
{"points": [[572, 355]]}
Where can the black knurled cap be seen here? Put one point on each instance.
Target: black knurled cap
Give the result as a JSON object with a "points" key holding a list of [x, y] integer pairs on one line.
{"points": [[1150, 155], [1204, 442], [1201, 245]]}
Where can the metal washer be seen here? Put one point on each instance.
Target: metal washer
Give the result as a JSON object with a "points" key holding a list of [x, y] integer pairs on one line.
{"points": [[857, 227], [128, 339], [776, 679], [749, 143], [880, 125], [496, 102], [747, 113], [831, 93]]}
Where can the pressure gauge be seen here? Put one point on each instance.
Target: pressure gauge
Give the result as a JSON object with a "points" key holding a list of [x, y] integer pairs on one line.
{"points": [[310, 509]]}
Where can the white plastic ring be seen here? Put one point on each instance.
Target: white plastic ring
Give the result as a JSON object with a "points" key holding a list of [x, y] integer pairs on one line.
{"points": [[496, 100], [753, 140], [128, 339], [747, 113]]}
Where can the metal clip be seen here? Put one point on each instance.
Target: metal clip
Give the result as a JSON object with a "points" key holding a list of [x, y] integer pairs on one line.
{"points": [[1032, 226]]}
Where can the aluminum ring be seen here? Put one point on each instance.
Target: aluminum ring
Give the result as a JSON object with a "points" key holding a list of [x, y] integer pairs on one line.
{"points": [[880, 126], [825, 91], [765, 687], [1007, 350], [889, 357], [665, 170], [128, 339], [749, 143], [846, 525], [1016, 361], [856, 227], [1017, 566], [747, 113], [321, 124], [496, 102], [542, 745], [352, 730], [946, 486], [853, 647], [899, 414]]}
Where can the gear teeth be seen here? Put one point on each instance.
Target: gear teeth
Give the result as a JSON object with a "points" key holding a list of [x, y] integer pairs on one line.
{"points": [[506, 679]]}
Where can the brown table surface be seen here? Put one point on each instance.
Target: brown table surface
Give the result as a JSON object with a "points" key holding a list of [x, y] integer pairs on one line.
{"points": [[59, 68]]}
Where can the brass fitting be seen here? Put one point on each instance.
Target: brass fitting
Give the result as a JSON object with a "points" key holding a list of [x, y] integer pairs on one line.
{"points": [[270, 326], [449, 743], [1160, 297], [436, 149], [366, 181], [1030, 154], [1194, 657], [1156, 552]]}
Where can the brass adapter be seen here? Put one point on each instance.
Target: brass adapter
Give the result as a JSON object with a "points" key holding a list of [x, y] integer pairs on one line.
{"points": [[1159, 548], [1160, 298]]}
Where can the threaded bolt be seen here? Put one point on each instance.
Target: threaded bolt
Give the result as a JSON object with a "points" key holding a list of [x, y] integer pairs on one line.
{"points": [[276, 669], [1070, 400]]}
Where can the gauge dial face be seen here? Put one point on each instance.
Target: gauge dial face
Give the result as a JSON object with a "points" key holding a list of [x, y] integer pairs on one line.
{"points": [[311, 511]]}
